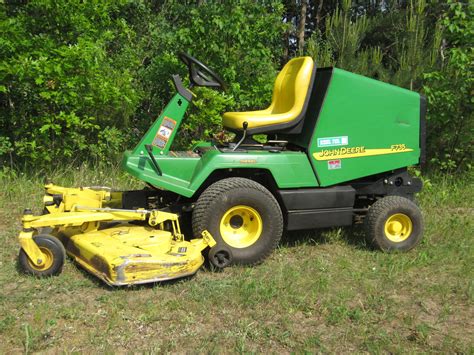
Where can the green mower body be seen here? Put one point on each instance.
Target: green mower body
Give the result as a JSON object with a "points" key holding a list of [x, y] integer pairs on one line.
{"points": [[354, 127]]}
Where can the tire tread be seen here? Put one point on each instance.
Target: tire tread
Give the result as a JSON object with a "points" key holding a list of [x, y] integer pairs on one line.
{"points": [[212, 193], [377, 209]]}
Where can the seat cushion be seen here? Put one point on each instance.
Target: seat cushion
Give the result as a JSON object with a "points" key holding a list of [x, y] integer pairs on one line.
{"points": [[255, 119], [289, 96]]}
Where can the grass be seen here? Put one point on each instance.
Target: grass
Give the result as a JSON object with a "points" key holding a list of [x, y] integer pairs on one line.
{"points": [[320, 291]]}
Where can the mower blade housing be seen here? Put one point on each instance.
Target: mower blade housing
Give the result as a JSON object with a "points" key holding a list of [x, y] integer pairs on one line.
{"points": [[129, 254]]}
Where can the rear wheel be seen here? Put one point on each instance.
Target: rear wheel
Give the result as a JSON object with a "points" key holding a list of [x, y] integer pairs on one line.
{"points": [[53, 257], [394, 223], [243, 216]]}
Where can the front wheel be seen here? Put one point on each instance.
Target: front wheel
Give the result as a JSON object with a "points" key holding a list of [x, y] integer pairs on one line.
{"points": [[241, 215], [394, 223], [53, 257]]}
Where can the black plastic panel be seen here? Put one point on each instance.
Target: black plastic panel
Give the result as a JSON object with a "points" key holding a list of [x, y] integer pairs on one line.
{"points": [[306, 199], [323, 218], [398, 183], [422, 129], [178, 84]]}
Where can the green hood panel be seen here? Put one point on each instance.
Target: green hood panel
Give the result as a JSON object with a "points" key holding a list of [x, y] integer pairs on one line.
{"points": [[365, 127], [184, 175]]}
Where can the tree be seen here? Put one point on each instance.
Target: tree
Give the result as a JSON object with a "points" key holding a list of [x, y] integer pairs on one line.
{"points": [[302, 25], [450, 91], [82, 79]]}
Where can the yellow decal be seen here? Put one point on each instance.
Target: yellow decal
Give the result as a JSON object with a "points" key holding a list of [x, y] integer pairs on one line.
{"points": [[358, 152]]}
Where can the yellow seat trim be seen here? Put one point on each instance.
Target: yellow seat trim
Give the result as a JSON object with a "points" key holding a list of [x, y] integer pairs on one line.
{"points": [[289, 95]]}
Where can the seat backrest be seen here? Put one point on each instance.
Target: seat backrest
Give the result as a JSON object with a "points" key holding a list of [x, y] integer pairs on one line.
{"points": [[292, 86]]}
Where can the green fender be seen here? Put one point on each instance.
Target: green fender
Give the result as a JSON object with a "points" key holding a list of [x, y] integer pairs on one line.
{"points": [[184, 175]]}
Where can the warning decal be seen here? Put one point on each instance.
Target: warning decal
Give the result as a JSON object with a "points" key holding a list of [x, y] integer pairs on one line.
{"points": [[164, 132], [334, 164]]}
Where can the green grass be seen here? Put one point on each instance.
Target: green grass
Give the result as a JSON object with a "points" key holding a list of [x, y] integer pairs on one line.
{"points": [[320, 291]]}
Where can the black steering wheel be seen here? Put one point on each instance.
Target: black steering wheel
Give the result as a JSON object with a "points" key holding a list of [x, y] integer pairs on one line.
{"points": [[200, 74]]}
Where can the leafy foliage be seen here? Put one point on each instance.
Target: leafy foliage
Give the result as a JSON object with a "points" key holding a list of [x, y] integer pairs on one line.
{"points": [[83, 80], [242, 42], [64, 86], [450, 93]]}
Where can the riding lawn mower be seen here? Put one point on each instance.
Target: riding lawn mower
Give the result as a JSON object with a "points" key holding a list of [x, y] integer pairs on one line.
{"points": [[336, 153]]}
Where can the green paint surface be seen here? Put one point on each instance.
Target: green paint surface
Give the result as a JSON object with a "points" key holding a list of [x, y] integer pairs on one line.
{"points": [[175, 111], [372, 114], [185, 175]]}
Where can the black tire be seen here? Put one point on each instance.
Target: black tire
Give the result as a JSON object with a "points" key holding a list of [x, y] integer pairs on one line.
{"points": [[218, 200], [382, 215], [54, 252]]}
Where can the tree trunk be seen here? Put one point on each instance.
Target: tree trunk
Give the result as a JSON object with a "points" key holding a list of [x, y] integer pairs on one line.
{"points": [[302, 25], [318, 14], [286, 51]]}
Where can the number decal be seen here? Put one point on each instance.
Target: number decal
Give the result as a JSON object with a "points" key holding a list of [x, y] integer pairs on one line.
{"points": [[398, 147]]}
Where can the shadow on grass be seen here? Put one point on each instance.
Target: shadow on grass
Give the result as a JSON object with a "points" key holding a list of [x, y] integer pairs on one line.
{"points": [[353, 235]]}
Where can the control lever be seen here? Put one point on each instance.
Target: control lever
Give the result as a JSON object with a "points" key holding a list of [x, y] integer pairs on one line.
{"points": [[149, 149], [244, 135]]}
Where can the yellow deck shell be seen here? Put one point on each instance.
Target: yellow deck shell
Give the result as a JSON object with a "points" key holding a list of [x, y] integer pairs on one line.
{"points": [[128, 254], [101, 239]]}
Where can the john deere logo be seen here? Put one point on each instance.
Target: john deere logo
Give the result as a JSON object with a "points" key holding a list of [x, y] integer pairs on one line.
{"points": [[357, 152], [341, 151]]}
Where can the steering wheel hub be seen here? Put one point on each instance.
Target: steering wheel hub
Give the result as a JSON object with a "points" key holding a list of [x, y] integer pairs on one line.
{"points": [[200, 74]]}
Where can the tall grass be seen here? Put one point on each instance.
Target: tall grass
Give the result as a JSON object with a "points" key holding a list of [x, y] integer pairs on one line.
{"points": [[320, 291]]}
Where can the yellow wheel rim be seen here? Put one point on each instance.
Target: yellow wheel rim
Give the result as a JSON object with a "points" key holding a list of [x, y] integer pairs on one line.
{"points": [[241, 226], [48, 259], [398, 227]]}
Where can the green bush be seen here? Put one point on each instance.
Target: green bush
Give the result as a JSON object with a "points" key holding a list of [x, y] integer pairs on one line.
{"points": [[84, 79], [450, 94], [240, 41], [64, 86]]}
